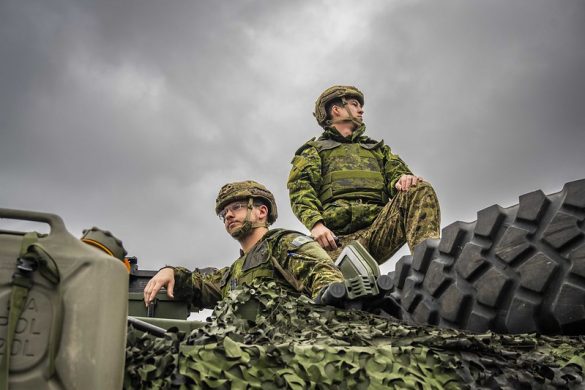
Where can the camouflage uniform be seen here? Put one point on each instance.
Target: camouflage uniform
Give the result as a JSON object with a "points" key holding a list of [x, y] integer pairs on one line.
{"points": [[349, 185], [294, 261]]}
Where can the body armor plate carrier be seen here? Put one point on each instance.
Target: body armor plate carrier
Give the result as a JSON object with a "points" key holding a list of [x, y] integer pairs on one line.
{"points": [[351, 171]]}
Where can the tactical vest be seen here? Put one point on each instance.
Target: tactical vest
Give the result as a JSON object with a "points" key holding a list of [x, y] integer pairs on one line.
{"points": [[262, 263], [351, 171]]}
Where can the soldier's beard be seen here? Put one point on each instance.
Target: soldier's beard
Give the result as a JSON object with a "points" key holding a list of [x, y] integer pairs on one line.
{"points": [[247, 226], [242, 231], [246, 229]]}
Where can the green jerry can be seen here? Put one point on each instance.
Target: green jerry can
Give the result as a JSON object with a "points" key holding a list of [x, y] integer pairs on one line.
{"points": [[63, 310]]}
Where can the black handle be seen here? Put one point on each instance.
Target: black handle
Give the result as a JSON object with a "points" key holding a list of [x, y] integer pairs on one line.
{"points": [[333, 294], [151, 308], [385, 283]]}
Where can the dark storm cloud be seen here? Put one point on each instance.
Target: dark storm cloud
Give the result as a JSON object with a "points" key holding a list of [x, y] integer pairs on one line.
{"points": [[488, 89], [131, 114]]}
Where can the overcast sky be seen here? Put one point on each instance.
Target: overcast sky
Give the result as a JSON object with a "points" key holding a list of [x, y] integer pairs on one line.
{"points": [[130, 115]]}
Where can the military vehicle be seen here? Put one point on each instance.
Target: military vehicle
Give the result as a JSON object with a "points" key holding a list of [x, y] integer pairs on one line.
{"points": [[495, 303]]}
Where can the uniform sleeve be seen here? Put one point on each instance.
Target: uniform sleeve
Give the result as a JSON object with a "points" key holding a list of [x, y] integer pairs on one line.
{"points": [[304, 184], [311, 265], [201, 289], [394, 168]]}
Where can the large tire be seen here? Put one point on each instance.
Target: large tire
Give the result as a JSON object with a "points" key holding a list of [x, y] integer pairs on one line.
{"points": [[515, 270]]}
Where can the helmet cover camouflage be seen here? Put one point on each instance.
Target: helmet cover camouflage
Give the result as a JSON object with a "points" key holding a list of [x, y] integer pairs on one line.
{"points": [[105, 241], [331, 93], [243, 190]]}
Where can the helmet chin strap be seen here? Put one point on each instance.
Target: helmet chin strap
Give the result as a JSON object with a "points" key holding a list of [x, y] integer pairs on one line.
{"points": [[247, 225], [357, 122]]}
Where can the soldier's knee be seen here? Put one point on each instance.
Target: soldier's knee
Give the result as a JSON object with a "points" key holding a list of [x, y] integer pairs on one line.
{"points": [[424, 186], [423, 194]]}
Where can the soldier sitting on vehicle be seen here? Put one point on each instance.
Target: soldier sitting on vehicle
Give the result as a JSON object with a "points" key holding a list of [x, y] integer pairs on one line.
{"points": [[346, 185], [291, 259]]}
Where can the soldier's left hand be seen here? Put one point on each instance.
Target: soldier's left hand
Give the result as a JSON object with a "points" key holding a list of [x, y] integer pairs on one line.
{"points": [[407, 181], [164, 278]]}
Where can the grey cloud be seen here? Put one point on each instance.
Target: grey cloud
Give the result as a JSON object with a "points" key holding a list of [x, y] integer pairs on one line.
{"points": [[130, 115]]}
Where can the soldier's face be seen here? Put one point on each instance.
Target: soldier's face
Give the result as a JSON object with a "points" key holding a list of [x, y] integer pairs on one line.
{"points": [[234, 215], [355, 108]]}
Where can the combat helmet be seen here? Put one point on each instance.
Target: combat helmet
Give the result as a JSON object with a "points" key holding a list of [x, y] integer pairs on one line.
{"points": [[331, 93], [246, 190], [105, 241]]}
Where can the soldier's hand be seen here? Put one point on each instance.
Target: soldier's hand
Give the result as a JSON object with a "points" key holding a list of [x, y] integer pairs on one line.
{"points": [[164, 278], [407, 181], [324, 236]]}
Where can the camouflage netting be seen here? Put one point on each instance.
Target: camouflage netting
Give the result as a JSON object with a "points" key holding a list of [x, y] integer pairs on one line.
{"points": [[295, 344]]}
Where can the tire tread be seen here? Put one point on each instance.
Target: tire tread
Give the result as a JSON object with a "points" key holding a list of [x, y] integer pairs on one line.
{"points": [[515, 269]]}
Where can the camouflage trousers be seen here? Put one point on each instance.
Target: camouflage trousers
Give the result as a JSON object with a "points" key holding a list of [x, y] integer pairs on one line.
{"points": [[410, 217]]}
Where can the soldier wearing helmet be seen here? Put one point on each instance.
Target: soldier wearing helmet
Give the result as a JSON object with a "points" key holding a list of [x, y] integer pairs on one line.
{"points": [[291, 259], [345, 186]]}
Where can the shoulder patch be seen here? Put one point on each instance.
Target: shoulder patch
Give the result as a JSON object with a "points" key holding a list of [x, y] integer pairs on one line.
{"points": [[301, 240]]}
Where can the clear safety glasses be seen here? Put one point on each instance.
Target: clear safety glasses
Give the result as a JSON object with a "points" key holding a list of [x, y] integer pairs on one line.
{"points": [[233, 207]]}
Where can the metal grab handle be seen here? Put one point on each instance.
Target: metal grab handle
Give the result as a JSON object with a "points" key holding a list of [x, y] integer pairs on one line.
{"points": [[147, 327], [53, 220]]}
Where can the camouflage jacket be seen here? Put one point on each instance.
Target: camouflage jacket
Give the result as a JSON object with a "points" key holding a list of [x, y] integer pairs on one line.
{"points": [[291, 259], [341, 215]]}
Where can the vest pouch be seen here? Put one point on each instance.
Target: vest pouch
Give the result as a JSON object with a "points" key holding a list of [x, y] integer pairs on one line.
{"points": [[71, 333], [365, 185], [351, 171], [257, 264]]}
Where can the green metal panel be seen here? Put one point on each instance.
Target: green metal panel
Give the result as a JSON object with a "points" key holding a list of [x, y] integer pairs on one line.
{"points": [[161, 307]]}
